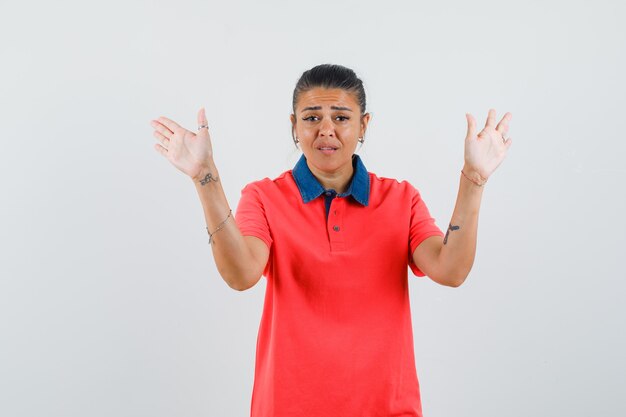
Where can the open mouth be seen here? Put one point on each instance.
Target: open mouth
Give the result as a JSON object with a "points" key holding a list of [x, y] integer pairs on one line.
{"points": [[328, 150]]}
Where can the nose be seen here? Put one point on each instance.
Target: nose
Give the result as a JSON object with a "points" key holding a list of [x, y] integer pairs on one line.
{"points": [[327, 128]]}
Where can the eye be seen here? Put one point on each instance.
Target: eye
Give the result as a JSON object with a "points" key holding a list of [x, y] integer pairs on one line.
{"points": [[342, 118], [310, 118]]}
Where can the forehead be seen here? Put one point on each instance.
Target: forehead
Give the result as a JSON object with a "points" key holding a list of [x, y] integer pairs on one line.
{"points": [[327, 97]]}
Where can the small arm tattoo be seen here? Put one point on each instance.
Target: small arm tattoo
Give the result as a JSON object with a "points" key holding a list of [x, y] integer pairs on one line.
{"points": [[450, 227], [208, 178]]}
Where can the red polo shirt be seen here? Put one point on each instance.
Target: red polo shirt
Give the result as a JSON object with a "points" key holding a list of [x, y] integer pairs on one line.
{"points": [[335, 337]]}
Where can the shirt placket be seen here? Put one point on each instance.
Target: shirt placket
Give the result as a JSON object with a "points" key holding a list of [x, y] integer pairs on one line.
{"points": [[334, 225]]}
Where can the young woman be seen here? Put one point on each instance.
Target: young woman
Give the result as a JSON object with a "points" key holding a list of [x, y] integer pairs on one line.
{"points": [[334, 241]]}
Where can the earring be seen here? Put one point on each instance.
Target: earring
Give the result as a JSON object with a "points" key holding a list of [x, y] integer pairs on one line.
{"points": [[361, 140]]}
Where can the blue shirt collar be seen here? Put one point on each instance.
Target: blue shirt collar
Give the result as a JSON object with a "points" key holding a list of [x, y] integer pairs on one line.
{"points": [[310, 188]]}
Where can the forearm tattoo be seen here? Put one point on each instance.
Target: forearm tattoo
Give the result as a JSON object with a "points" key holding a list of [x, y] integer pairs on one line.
{"points": [[450, 227], [208, 178]]}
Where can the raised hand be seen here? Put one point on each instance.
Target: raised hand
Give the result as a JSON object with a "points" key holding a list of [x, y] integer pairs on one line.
{"points": [[486, 150], [186, 150]]}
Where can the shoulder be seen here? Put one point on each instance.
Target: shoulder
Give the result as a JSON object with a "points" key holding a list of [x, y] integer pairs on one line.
{"points": [[386, 185], [271, 185], [277, 193]]}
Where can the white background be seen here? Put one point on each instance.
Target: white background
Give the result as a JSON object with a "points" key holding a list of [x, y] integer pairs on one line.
{"points": [[110, 302]]}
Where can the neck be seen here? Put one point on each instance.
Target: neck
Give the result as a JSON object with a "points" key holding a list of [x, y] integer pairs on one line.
{"points": [[337, 180]]}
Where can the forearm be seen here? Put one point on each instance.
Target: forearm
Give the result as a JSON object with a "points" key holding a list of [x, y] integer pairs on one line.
{"points": [[228, 245], [459, 245]]}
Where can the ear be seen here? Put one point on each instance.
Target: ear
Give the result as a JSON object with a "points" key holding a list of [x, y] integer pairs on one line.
{"points": [[293, 119], [365, 119]]}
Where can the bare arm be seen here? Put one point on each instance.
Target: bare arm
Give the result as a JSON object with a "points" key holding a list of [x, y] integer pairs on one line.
{"points": [[240, 259], [448, 261]]}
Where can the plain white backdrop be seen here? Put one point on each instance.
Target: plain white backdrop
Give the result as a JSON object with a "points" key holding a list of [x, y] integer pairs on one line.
{"points": [[110, 302]]}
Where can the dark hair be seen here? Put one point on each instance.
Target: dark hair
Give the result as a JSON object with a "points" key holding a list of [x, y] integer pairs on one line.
{"points": [[330, 76]]}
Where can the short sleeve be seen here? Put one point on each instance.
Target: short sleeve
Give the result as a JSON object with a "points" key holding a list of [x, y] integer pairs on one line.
{"points": [[250, 215], [422, 226]]}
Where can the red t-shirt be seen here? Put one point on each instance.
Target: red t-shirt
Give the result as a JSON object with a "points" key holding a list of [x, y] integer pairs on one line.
{"points": [[335, 337]]}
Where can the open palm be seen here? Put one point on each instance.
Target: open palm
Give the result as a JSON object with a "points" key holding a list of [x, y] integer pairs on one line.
{"points": [[485, 151], [186, 150]]}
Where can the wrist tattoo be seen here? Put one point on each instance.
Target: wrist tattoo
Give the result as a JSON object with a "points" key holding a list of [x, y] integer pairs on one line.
{"points": [[450, 227], [208, 178]]}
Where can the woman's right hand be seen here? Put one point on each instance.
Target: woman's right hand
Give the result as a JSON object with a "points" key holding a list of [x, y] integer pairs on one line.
{"points": [[186, 150]]}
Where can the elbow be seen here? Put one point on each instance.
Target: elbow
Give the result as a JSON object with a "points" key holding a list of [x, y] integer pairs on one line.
{"points": [[242, 283], [237, 286], [451, 280], [455, 283], [458, 280], [457, 277], [238, 280]]}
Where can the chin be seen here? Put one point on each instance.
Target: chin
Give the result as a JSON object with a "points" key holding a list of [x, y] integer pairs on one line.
{"points": [[329, 163]]}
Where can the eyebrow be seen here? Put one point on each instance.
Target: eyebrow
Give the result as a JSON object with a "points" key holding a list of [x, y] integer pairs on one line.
{"points": [[331, 107]]}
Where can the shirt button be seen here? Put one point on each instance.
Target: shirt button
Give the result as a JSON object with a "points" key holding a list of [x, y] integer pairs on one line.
{"points": [[329, 193], [336, 228]]}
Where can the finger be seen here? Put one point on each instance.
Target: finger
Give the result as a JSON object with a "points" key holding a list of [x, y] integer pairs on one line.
{"points": [[163, 141], [162, 129], [471, 126], [491, 118], [160, 136], [503, 126], [202, 121], [170, 124], [160, 149]]}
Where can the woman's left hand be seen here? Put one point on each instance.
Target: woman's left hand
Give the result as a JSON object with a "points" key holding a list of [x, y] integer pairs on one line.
{"points": [[486, 150]]}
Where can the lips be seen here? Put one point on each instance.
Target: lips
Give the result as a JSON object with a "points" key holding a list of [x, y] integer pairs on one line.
{"points": [[327, 149], [327, 146]]}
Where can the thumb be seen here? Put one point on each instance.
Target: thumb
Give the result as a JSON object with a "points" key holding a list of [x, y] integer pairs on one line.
{"points": [[471, 126]]}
